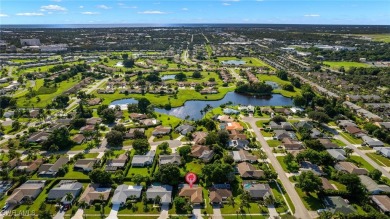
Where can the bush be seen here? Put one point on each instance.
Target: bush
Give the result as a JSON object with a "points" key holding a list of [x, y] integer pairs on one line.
{"points": [[97, 207]]}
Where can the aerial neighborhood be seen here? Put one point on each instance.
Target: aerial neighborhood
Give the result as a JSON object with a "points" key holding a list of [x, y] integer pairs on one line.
{"points": [[108, 123]]}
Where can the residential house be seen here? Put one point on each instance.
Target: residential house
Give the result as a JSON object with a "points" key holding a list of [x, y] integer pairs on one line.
{"points": [[10, 164], [290, 144], [385, 152], [38, 137], [184, 129], [249, 108], [78, 138], [242, 155], [326, 185], [199, 137], [61, 190], [234, 126], [315, 133], [34, 113], [280, 134], [345, 123], [384, 125], [328, 144], [229, 111], [354, 131], [161, 130], [143, 160], [275, 126], [117, 163], [257, 190], [93, 121], [94, 101], [51, 170], [367, 141], [65, 122], [86, 164], [382, 202], [131, 132], [225, 118], [194, 193], [119, 114], [28, 191], [308, 166], [123, 192], [337, 154], [93, 193], [247, 170], [173, 158], [238, 144], [218, 196], [162, 191], [336, 204], [373, 187], [284, 111], [287, 126], [350, 168], [148, 122], [236, 135], [28, 166], [202, 152], [87, 128], [137, 116], [304, 124]]}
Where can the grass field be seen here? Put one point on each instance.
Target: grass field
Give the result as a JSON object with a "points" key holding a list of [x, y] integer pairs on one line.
{"points": [[265, 77], [379, 159], [209, 50], [282, 163], [249, 61], [346, 65], [273, 143], [310, 200], [361, 162], [351, 139], [379, 37]]}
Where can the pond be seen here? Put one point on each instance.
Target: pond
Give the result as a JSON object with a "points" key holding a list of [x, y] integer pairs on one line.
{"points": [[192, 108], [273, 84], [233, 62], [168, 77], [119, 64]]}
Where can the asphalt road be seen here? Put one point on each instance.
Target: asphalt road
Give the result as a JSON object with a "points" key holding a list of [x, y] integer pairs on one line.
{"points": [[300, 209]]}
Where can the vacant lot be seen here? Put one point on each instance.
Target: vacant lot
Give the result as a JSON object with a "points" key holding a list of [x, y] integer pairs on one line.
{"points": [[346, 65]]}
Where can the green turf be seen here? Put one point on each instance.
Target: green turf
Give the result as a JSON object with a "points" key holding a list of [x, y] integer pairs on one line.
{"points": [[346, 65]]}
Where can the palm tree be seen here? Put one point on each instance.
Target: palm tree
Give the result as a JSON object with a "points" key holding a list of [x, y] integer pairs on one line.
{"points": [[231, 201], [348, 151], [269, 200], [157, 199], [101, 197], [68, 197]]}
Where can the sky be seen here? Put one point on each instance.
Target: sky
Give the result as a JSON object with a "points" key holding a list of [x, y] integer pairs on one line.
{"points": [[363, 12]]}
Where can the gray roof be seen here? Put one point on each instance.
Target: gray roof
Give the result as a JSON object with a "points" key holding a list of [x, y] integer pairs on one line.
{"points": [[164, 191], [184, 129], [144, 159], [123, 191], [173, 158], [338, 154], [258, 190], [64, 187], [372, 186], [338, 204]]}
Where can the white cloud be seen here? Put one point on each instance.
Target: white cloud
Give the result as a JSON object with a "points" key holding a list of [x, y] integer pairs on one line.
{"points": [[30, 14], [3, 15], [259, 0], [151, 12], [56, 0], [121, 4], [231, 0], [81, 6], [89, 13], [52, 8], [184, 9], [105, 7], [311, 15], [226, 4]]}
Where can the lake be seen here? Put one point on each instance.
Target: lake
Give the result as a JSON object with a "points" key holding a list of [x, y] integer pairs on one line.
{"points": [[233, 62], [192, 107], [168, 77]]}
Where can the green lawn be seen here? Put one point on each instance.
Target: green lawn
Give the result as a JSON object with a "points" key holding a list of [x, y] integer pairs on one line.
{"points": [[346, 65], [265, 77], [275, 191], [209, 50], [72, 174], [351, 139], [379, 159], [267, 134], [311, 200], [338, 142], [168, 120], [379, 37], [282, 163], [144, 171], [194, 166], [360, 162], [273, 143]]}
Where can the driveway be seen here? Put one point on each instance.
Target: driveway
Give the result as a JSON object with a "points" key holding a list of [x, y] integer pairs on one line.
{"points": [[79, 214], [59, 215], [272, 212], [197, 213], [164, 212], [217, 212], [114, 212]]}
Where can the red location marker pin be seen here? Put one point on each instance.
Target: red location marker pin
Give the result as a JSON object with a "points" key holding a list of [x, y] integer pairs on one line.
{"points": [[191, 178]]}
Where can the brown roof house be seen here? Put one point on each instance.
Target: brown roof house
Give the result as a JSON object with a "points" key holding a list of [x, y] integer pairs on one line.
{"points": [[326, 185], [94, 101], [93, 192], [247, 170], [85, 165], [199, 137], [202, 152], [290, 144], [382, 202], [137, 116], [218, 196], [242, 155], [194, 194], [161, 130], [350, 168], [28, 166], [117, 163], [29, 190], [354, 131], [131, 132], [78, 138]]}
